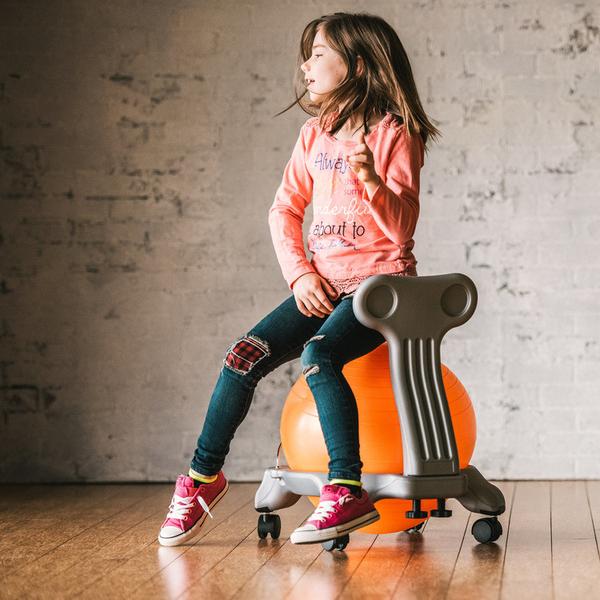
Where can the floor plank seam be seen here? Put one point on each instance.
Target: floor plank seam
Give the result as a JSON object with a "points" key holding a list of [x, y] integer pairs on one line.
{"points": [[347, 582], [312, 562], [587, 494], [551, 544], [287, 541], [507, 536], [462, 541], [412, 553]]}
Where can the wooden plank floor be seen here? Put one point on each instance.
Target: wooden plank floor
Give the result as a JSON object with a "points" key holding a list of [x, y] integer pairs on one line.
{"points": [[99, 541]]}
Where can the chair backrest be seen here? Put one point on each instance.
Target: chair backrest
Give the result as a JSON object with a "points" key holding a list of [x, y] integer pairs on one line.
{"points": [[414, 314]]}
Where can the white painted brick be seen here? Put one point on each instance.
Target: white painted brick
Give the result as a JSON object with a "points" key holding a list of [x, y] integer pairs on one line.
{"points": [[532, 36], [531, 466], [574, 395], [586, 228], [490, 66], [526, 371], [535, 87], [588, 419], [570, 444], [588, 86], [587, 467], [588, 325], [587, 371]]}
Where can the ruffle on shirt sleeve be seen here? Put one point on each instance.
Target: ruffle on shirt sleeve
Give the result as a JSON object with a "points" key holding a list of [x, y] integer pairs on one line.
{"points": [[286, 214], [395, 202]]}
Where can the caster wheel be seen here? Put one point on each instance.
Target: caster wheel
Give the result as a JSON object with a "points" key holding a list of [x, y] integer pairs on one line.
{"points": [[338, 543], [269, 523], [415, 529], [486, 530]]}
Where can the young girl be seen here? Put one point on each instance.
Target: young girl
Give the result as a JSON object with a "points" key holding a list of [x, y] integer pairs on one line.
{"points": [[358, 160]]}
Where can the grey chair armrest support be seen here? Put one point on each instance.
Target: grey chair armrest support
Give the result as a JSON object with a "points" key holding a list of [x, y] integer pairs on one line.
{"points": [[413, 314]]}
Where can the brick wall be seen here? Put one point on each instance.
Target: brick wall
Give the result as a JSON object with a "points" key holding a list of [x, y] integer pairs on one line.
{"points": [[139, 157]]}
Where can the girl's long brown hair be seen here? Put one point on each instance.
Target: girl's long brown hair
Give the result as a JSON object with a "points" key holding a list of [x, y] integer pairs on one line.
{"points": [[386, 83]]}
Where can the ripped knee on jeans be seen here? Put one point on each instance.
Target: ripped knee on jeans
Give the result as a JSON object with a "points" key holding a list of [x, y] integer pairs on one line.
{"points": [[243, 355], [314, 338], [312, 369]]}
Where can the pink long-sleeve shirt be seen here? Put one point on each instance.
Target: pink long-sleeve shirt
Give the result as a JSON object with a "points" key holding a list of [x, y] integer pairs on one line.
{"points": [[351, 236]]}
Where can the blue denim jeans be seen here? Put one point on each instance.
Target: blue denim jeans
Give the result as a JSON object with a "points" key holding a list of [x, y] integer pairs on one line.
{"points": [[325, 345]]}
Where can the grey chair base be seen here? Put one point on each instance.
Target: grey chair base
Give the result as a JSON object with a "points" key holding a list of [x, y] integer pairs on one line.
{"points": [[281, 488]]}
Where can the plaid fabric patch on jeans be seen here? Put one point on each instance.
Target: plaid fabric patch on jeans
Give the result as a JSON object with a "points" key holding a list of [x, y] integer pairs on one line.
{"points": [[246, 353]]}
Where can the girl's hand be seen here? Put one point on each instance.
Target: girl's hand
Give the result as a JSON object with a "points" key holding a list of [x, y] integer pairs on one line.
{"points": [[310, 291], [361, 161]]}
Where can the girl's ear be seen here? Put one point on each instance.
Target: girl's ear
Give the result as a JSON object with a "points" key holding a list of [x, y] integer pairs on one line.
{"points": [[360, 65]]}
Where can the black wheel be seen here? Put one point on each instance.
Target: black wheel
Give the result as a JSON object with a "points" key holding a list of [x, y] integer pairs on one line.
{"points": [[338, 543], [415, 529], [262, 527], [275, 526], [487, 530], [269, 523], [342, 541], [329, 545]]}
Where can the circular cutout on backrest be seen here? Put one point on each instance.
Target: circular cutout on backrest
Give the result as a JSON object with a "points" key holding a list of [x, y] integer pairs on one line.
{"points": [[381, 301], [455, 300]]}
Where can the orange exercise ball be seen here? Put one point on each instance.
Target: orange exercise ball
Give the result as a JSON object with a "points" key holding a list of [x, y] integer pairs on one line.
{"points": [[379, 430]]}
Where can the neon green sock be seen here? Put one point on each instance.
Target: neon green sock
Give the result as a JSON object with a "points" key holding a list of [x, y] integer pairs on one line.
{"points": [[202, 478], [354, 486], [347, 481]]}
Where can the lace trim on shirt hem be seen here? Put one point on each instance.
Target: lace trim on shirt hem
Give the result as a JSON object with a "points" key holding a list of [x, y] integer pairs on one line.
{"points": [[350, 283]]}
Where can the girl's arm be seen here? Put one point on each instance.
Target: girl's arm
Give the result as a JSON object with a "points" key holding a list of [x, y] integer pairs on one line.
{"points": [[394, 201], [286, 215]]}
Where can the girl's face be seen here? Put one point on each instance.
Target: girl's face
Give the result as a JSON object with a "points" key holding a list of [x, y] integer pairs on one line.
{"points": [[324, 70]]}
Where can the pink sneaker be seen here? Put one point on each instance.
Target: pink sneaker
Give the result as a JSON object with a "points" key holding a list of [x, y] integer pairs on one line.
{"points": [[339, 512], [189, 507]]}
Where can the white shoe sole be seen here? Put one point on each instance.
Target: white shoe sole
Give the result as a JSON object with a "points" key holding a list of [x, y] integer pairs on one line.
{"points": [[313, 537], [190, 534]]}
